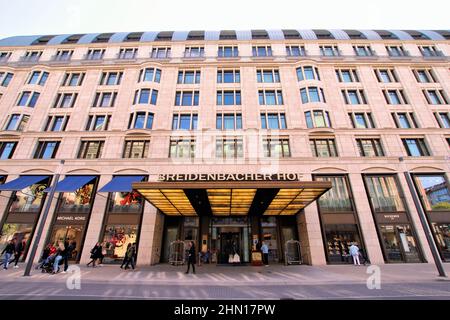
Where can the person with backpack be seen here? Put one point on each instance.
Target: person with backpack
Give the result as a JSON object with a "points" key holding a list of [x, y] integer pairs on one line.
{"points": [[131, 253], [354, 252], [9, 250], [20, 248], [95, 254]]}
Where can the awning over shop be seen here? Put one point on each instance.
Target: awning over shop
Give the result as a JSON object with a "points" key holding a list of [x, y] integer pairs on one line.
{"points": [[231, 198], [72, 183], [21, 183], [121, 184]]}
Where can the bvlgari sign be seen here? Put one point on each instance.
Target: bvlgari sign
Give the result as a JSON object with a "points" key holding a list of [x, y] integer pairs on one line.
{"points": [[229, 177]]}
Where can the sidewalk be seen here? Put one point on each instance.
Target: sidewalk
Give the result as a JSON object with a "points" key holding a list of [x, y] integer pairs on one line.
{"points": [[164, 274]]}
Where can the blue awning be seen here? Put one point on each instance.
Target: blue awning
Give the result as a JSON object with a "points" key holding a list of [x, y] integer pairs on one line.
{"points": [[121, 184], [21, 183], [72, 183]]}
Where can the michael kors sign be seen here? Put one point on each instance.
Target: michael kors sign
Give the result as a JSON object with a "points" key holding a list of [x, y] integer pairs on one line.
{"points": [[230, 177]]}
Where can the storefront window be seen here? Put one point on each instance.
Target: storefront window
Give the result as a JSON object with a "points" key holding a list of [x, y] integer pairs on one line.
{"points": [[337, 199], [16, 231], [126, 202], [442, 232], [29, 199], [384, 194], [434, 191], [78, 201], [270, 237], [70, 234], [116, 239], [399, 243], [339, 238]]}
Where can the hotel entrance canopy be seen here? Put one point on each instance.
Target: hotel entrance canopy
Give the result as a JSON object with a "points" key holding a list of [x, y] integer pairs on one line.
{"points": [[237, 198]]}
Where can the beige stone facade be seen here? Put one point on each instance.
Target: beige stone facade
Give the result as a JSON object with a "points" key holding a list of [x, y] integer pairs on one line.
{"points": [[349, 161]]}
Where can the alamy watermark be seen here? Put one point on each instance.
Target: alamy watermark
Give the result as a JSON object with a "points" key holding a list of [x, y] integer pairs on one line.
{"points": [[73, 281], [374, 280]]}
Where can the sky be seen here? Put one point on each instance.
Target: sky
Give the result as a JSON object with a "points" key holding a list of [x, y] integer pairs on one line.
{"points": [[45, 17]]}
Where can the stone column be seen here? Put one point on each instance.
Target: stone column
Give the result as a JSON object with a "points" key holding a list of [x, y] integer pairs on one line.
{"points": [[150, 240], [310, 236]]}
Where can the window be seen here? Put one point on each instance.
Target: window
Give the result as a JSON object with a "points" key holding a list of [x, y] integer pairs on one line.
{"points": [[228, 52], [323, 147], [443, 119], [338, 198], [65, 100], [307, 73], [145, 96], [56, 123], [185, 121], [98, 122], [276, 147], [395, 96], [268, 76], [7, 149], [228, 76], [415, 147], [363, 51], [354, 96], [110, 78], [38, 77], [384, 193], [386, 75], [5, 78], [79, 201], [28, 99], [317, 119], [127, 53], [95, 54], [430, 51], [228, 97], [141, 120], [229, 147], [4, 56], [194, 52], [312, 94], [188, 77], [90, 149], [361, 120], [17, 122], [347, 75], [187, 98], [329, 51], [46, 150], [228, 121], [273, 121], [73, 79], [136, 149], [227, 35], [161, 53], [32, 56], [397, 51], [434, 191], [63, 55], [370, 147], [270, 97], [404, 120], [262, 51], [424, 75], [435, 96], [295, 51], [182, 148], [150, 75]]}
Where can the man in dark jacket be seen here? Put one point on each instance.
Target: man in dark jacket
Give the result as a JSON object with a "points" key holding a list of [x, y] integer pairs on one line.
{"points": [[191, 257], [131, 256], [20, 248], [9, 250]]}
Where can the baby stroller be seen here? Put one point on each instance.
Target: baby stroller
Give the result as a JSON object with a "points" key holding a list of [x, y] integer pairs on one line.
{"points": [[47, 265]]}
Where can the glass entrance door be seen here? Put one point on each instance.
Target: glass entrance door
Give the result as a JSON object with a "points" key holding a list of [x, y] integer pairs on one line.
{"points": [[399, 243], [230, 245]]}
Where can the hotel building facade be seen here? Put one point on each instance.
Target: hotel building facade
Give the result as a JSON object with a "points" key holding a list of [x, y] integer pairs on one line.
{"points": [[227, 139]]}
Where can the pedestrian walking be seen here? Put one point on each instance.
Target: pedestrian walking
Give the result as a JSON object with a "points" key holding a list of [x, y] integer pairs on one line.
{"points": [[131, 256], [191, 257], [125, 258], [95, 254], [9, 250], [354, 252], [102, 254], [20, 248], [60, 253], [44, 257], [265, 253]]}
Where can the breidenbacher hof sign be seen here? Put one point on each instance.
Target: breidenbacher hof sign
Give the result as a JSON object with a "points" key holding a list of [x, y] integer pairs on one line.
{"points": [[169, 177]]}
